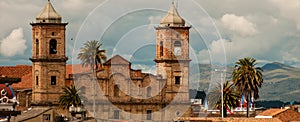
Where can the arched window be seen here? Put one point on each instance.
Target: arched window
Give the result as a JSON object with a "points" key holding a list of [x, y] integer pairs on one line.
{"points": [[161, 48], [116, 91], [37, 45], [53, 46], [177, 48], [149, 91]]}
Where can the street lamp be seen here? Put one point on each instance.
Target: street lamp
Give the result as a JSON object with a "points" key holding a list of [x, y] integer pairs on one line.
{"points": [[222, 99]]}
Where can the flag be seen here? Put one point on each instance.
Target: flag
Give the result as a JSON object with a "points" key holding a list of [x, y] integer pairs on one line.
{"points": [[229, 110], [243, 97], [206, 104]]}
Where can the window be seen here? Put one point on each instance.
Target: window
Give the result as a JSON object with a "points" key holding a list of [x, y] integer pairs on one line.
{"points": [[149, 91], [36, 80], [53, 80], [149, 116], [53, 46], [116, 114], [161, 48], [37, 46], [46, 117], [177, 44], [116, 91], [177, 80], [53, 33]]}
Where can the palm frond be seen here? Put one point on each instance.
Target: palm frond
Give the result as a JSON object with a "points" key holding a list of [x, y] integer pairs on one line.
{"points": [[91, 55]]}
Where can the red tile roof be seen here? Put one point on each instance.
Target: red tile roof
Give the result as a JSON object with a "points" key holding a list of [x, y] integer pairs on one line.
{"points": [[26, 82], [271, 112], [18, 71], [25, 73], [285, 115], [15, 71]]}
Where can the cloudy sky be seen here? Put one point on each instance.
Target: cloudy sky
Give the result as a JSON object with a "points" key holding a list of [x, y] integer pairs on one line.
{"points": [[222, 30]]}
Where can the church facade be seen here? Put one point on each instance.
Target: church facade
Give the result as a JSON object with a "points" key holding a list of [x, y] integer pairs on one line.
{"points": [[127, 94], [116, 92]]}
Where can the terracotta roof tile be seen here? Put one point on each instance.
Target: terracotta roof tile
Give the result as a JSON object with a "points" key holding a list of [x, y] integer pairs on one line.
{"points": [[18, 71], [25, 73], [271, 112], [285, 115], [26, 82], [15, 71]]}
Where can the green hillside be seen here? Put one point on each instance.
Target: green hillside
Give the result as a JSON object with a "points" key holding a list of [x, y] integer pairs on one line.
{"points": [[281, 82]]}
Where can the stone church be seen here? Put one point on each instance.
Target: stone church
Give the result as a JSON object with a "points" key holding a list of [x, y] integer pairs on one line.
{"points": [[116, 92], [128, 94]]}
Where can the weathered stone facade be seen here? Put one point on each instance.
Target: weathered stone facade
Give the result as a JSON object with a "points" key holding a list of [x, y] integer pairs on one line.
{"points": [[119, 92], [48, 57], [132, 93]]}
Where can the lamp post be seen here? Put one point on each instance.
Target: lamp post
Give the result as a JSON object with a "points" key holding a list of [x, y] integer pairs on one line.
{"points": [[222, 99]]}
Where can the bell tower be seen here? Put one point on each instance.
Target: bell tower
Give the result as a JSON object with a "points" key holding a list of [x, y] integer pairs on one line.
{"points": [[48, 56], [172, 55]]}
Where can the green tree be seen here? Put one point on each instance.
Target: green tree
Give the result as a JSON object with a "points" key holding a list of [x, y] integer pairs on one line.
{"points": [[230, 97], [91, 55], [247, 78], [70, 97]]}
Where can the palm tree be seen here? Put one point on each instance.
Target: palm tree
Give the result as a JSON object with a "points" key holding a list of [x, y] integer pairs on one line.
{"points": [[91, 55], [70, 97], [230, 97], [247, 78]]}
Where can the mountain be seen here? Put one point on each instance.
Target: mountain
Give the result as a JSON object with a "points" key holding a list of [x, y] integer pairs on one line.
{"points": [[281, 82], [276, 65]]}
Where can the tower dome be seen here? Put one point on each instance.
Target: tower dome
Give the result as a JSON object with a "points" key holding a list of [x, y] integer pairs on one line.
{"points": [[48, 15], [172, 18]]}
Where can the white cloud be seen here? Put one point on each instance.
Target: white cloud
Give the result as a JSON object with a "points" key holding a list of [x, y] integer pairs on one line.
{"points": [[291, 53], [266, 30], [154, 20], [14, 44], [238, 24], [288, 9], [145, 68], [233, 50]]}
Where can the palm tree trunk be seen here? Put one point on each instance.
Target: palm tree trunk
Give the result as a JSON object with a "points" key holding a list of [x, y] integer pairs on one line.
{"points": [[224, 111], [248, 104]]}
